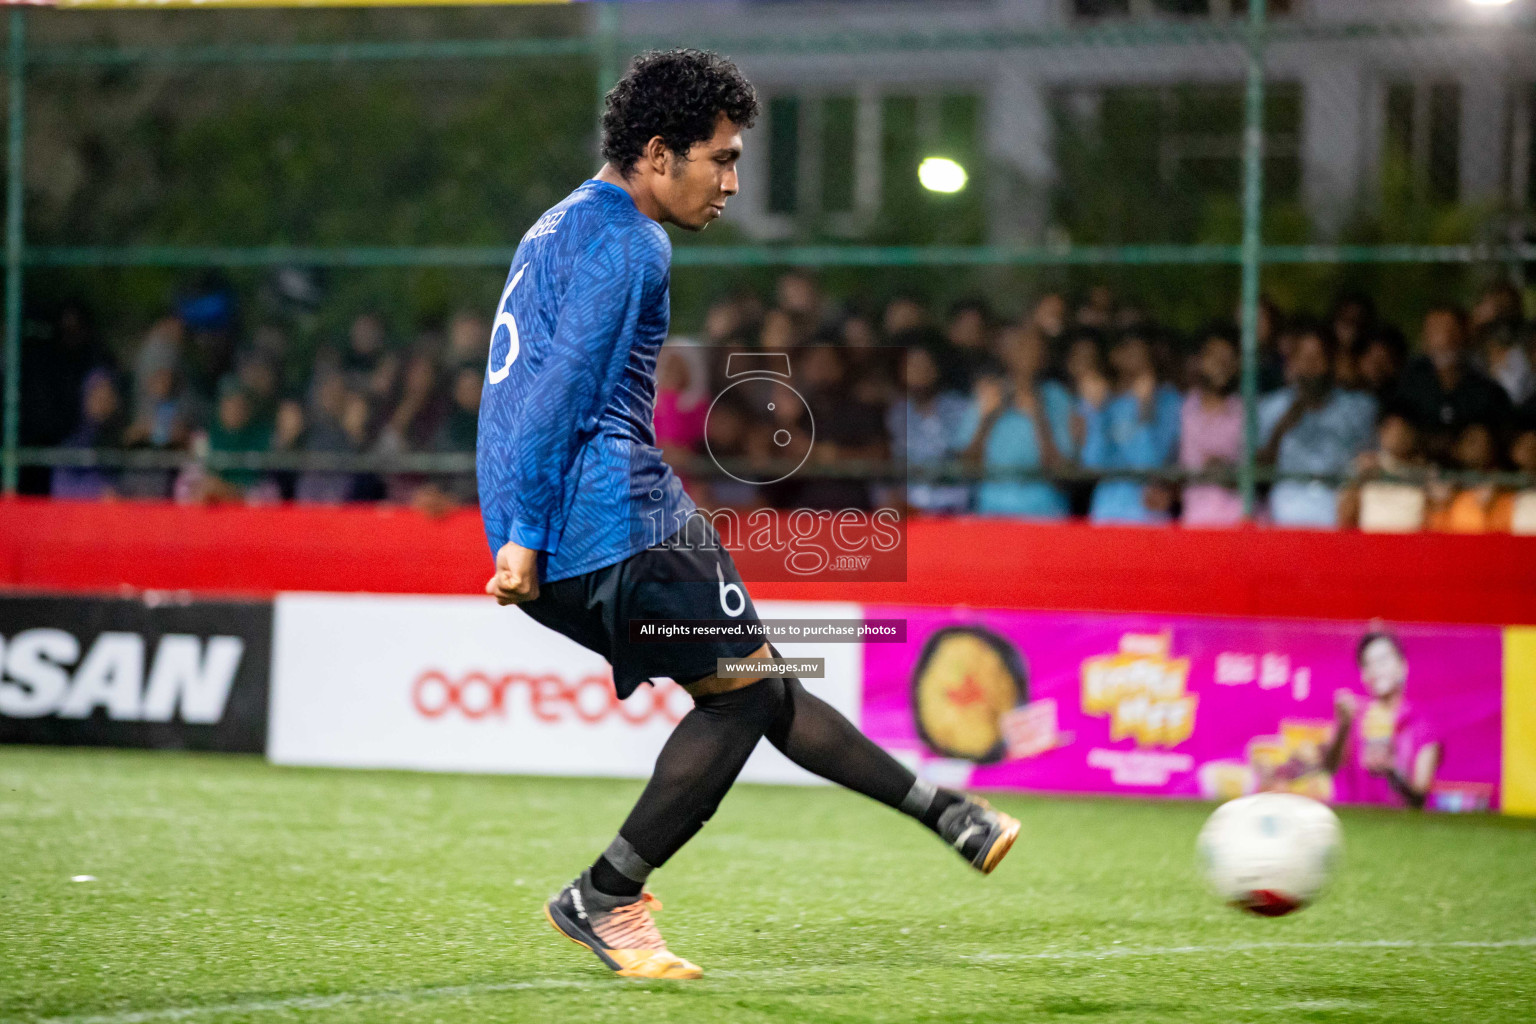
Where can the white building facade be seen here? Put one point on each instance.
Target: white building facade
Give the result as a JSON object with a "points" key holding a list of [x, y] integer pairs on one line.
{"points": [[857, 89]]}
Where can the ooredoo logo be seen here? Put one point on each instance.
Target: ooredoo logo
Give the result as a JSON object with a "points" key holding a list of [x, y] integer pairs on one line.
{"points": [[546, 697]]}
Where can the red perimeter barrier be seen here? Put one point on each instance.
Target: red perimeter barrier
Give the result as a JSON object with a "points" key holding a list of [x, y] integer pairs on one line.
{"points": [[985, 562]]}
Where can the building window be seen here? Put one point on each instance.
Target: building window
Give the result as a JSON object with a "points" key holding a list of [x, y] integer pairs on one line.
{"points": [[836, 162], [1165, 163], [783, 154], [1201, 139], [1101, 8], [1184, 8], [839, 153], [1274, 7], [1095, 9], [1522, 149], [1423, 138], [899, 150]]}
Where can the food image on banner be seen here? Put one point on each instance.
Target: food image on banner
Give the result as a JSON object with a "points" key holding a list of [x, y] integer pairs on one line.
{"points": [[1370, 713], [966, 683]]}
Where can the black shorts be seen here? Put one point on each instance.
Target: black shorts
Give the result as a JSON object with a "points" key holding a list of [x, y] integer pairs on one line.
{"points": [[698, 581]]}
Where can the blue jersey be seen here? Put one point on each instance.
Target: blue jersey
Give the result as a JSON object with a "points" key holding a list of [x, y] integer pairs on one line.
{"points": [[567, 458]]}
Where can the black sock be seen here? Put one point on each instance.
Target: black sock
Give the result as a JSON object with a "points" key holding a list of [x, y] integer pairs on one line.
{"points": [[697, 767], [610, 881]]}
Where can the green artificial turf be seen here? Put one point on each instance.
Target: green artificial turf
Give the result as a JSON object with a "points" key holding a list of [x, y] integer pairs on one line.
{"points": [[229, 890]]}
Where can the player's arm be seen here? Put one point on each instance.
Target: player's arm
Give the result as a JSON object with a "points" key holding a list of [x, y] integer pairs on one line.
{"points": [[1343, 717], [1167, 420], [586, 358], [1415, 789], [1282, 425], [988, 405], [1098, 448]]}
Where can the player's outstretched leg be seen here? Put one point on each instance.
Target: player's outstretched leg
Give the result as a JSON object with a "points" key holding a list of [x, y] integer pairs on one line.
{"points": [[812, 734], [606, 909]]}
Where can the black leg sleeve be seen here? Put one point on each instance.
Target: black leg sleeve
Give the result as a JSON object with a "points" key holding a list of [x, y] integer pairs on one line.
{"points": [[697, 767], [811, 733]]}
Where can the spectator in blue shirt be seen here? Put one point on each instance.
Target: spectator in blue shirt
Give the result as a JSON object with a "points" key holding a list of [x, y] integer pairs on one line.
{"points": [[925, 429], [1312, 426], [101, 426], [1134, 427], [1018, 423]]}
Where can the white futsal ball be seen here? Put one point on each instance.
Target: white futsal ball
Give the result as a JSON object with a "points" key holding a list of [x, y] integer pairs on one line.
{"points": [[1270, 853]]}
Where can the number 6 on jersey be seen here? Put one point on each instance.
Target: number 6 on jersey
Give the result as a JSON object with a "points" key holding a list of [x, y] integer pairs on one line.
{"points": [[504, 319]]}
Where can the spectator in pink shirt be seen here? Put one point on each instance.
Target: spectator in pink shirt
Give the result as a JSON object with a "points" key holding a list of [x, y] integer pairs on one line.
{"points": [[682, 403], [1383, 749], [1211, 432]]}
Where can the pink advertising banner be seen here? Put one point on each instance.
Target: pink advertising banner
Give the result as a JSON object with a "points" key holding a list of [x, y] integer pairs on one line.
{"points": [[1191, 707]]}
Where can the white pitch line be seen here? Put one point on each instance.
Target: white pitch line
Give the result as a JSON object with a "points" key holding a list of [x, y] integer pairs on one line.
{"points": [[1244, 947], [321, 1002], [325, 1002]]}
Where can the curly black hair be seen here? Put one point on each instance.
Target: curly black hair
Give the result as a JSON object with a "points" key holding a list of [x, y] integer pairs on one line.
{"points": [[677, 94]]}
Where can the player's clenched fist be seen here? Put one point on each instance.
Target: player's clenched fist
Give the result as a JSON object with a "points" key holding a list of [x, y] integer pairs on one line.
{"points": [[517, 575]]}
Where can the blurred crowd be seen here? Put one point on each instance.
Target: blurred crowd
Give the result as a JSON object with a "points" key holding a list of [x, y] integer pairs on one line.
{"points": [[1090, 408], [1081, 406], [192, 386]]}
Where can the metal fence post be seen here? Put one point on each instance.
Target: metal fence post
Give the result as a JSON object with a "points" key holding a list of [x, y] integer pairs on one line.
{"points": [[607, 47], [1253, 217], [14, 195]]}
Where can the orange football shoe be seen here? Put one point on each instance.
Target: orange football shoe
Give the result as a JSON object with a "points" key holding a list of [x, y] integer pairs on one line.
{"points": [[979, 832], [621, 933]]}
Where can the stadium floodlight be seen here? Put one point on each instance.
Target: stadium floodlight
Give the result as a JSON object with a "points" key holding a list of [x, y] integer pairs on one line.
{"points": [[941, 174]]}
